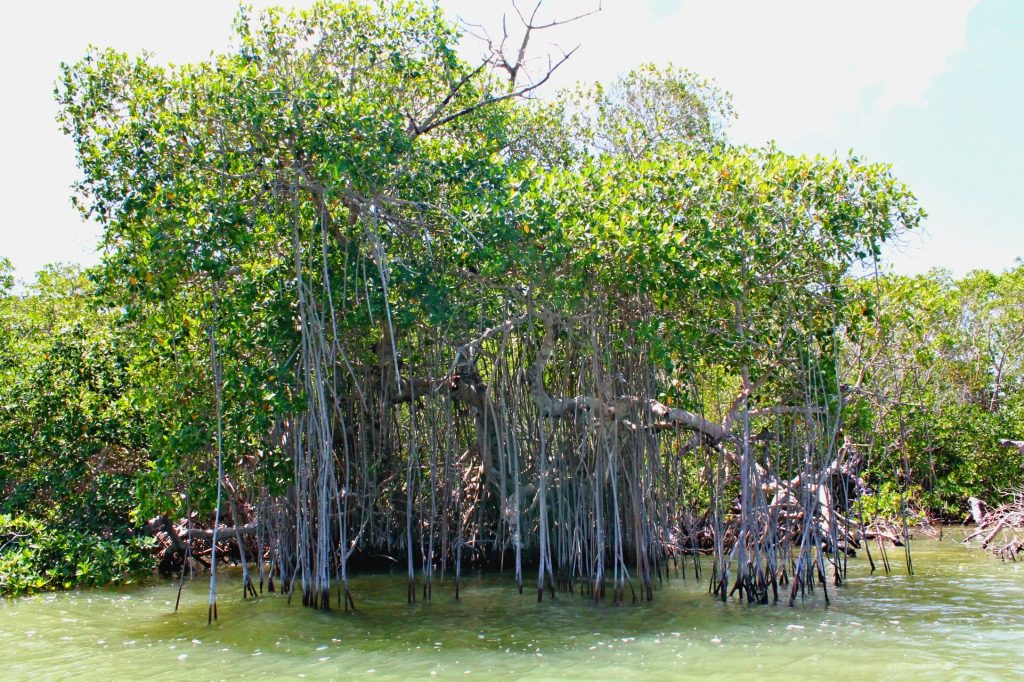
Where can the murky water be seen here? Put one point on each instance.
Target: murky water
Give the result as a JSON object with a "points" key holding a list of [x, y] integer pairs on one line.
{"points": [[961, 617]]}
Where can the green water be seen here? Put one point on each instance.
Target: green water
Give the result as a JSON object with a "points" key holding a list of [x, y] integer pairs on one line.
{"points": [[960, 617]]}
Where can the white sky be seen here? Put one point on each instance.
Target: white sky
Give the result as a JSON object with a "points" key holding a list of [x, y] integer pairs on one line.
{"points": [[810, 74]]}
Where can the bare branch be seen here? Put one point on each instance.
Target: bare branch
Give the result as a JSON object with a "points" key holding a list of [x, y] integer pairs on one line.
{"points": [[498, 59], [521, 92]]}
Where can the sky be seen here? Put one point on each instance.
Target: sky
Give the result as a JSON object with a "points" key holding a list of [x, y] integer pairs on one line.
{"points": [[933, 87]]}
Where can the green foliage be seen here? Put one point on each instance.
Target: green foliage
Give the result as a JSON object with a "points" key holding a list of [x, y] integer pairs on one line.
{"points": [[6, 276], [892, 501], [648, 108], [208, 172], [40, 556], [71, 441], [939, 362], [740, 252]]}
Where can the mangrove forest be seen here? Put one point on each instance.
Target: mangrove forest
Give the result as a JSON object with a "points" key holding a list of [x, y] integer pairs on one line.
{"points": [[365, 306]]}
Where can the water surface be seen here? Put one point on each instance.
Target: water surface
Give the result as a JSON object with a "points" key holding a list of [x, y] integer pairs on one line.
{"points": [[961, 617]]}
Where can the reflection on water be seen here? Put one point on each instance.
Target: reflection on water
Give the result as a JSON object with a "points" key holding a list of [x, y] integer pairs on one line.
{"points": [[960, 617]]}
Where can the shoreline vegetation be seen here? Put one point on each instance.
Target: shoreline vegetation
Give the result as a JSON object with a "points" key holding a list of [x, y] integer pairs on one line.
{"points": [[363, 301]]}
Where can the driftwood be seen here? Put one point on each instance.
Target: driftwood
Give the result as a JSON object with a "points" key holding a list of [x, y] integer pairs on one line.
{"points": [[222, 532], [173, 550], [160, 525], [1005, 521], [886, 530], [174, 539]]}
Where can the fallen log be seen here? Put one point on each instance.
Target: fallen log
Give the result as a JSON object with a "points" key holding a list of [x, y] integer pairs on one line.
{"points": [[160, 524], [995, 531], [172, 557], [1008, 518], [207, 533]]}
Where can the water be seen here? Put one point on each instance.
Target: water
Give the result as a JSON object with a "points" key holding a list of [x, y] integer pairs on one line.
{"points": [[961, 617]]}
